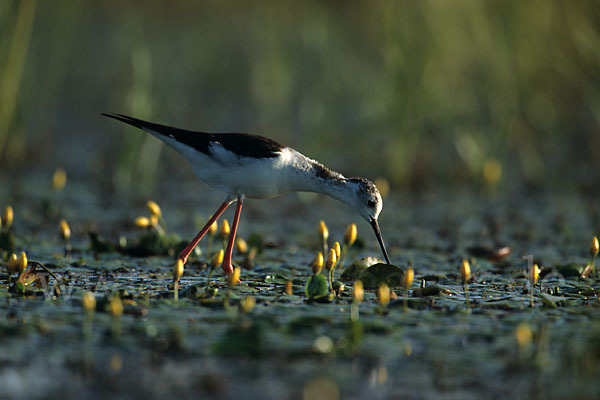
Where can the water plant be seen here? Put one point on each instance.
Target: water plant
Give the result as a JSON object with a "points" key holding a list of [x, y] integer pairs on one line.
{"points": [[591, 266], [224, 231], [317, 286], [465, 274], [409, 276], [323, 235], [349, 238], [177, 273], [534, 275], [65, 234]]}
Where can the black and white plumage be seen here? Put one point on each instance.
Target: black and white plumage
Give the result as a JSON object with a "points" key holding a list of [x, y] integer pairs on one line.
{"points": [[244, 165]]}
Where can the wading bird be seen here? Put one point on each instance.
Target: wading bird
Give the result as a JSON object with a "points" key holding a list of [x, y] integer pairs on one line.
{"points": [[252, 166]]}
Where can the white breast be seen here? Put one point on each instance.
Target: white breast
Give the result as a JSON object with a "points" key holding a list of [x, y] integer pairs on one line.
{"points": [[252, 177]]}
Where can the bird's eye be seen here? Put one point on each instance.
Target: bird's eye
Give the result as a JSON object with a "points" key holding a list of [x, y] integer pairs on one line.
{"points": [[371, 203]]}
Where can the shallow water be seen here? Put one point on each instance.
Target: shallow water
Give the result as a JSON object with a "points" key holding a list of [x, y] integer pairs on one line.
{"points": [[286, 347]]}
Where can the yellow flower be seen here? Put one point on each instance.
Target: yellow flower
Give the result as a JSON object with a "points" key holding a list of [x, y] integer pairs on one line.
{"points": [[154, 208], [594, 246], [331, 259], [523, 335], [59, 179], [383, 294], [409, 275], [323, 231], [465, 270], [116, 306], [241, 245], [234, 277], [350, 235], [154, 220], [217, 259], [65, 230], [338, 250], [225, 229], [177, 270], [492, 171], [13, 264], [534, 274], [213, 229], [88, 301], [317, 264], [358, 292], [288, 288], [247, 304], [143, 222], [9, 215], [22, 262]]}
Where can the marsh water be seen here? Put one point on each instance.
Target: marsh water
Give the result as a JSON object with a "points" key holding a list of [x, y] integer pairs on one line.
{"points": [[286, 346]]}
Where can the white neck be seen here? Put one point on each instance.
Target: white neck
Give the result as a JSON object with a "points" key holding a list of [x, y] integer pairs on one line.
{"points": [[307, 175]]}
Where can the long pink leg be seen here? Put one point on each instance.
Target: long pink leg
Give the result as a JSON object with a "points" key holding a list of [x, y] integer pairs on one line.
{"points": [[186, 252], [227, 267]]}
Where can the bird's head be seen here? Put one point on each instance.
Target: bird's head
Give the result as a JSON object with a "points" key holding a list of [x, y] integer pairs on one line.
{"points": [[368, 203]]}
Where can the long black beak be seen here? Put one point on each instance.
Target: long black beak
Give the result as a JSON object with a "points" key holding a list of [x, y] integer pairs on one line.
{"points": [[377, 231]]}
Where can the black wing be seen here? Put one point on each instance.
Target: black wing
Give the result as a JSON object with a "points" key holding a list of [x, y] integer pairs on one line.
{"points": [[242, 144]]}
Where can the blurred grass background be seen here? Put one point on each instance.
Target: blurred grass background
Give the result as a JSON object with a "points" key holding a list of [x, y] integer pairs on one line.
{"points": [[427, 94]]}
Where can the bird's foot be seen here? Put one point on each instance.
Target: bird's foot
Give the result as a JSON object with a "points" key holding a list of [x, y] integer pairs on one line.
{"points": [[227, 268], [229, 271]]}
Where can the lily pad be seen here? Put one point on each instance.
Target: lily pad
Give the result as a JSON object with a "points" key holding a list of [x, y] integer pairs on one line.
{"points": [[375, 275], [317, 287], [567, 271], [154, 243], [354, 270]]}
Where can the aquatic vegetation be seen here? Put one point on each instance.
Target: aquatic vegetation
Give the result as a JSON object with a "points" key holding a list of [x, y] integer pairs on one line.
{"points": [[409, 276], [323, 235], [224, 231], [534, 275], [241, 245], [330, 266], [59, 179], [465, 274], [65, 234], [383, 295], [591, 266], [317, 286], [177, 274], [284, 303], [22, 262], [358, 295], [349, 238], [7, 239], [7, 218]]}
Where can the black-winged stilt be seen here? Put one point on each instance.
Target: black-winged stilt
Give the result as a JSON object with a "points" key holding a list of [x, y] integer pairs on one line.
{"points": [[244, 165]]}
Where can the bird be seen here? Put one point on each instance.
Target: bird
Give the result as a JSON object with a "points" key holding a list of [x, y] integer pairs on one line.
{"points": [[251, 166]]}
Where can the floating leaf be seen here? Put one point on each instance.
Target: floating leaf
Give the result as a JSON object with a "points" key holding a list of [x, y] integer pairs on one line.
{"points": [[276, 278], [377, 274], [567, 270], [155, 243], [317, 287], [354, 270], [100, 245], [492, 254], [427, 291]]}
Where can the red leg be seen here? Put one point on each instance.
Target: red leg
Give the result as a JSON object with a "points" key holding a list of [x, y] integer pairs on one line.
{"points": [[227, 267], [186, 252]]}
